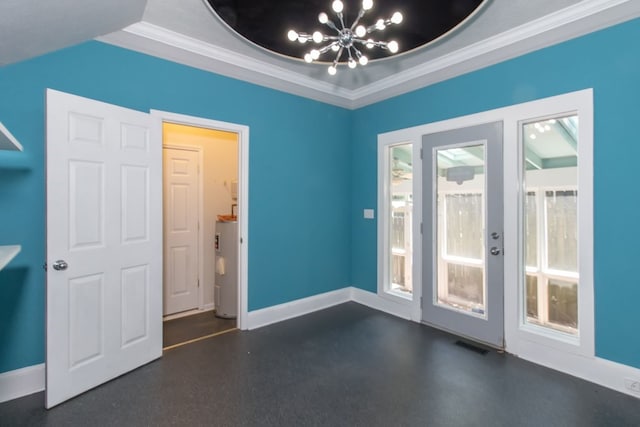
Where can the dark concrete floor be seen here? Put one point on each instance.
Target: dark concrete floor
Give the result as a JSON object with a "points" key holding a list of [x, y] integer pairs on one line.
{"points": [[344, 366], [187, 328]]}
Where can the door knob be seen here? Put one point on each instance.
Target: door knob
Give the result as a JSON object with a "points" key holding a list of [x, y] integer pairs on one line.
{"points": [[493, 251], [60, 265]]}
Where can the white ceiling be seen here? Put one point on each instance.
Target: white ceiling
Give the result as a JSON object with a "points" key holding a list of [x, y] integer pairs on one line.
{"points": [[186, 31]]}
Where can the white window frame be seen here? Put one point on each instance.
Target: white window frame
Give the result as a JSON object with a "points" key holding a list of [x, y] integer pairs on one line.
{"points": [[542, 270], [537, 343], [385, 218], [531, 345]]}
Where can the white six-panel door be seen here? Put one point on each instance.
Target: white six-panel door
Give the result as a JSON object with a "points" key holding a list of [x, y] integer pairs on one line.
{"points": [[104, 222], [181, 215]]}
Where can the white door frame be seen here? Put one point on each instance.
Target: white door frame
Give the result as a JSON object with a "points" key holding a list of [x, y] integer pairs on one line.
{"points": [[200, 218], [158, 117], [548, 351]]}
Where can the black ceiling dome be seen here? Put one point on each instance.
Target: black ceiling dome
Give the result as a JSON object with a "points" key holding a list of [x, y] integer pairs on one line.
{"points": [[266, 23]]}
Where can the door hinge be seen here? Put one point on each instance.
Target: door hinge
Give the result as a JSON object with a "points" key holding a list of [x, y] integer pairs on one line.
{"points": [[421, 153], [198, 282], [44, 266], [420, 302], [420, 228]]}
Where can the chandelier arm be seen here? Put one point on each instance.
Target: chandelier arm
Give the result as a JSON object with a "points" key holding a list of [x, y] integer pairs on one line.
{"points": [[373, 42], [360, 15], [326, 48], [341, 17], [372, 28], [338, 55], [331, 25]]}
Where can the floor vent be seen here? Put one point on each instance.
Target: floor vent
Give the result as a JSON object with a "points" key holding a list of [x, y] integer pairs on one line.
{"points": [[472, 347]]}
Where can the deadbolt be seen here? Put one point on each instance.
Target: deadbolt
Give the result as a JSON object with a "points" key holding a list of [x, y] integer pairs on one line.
{"points": [[494, 251]]}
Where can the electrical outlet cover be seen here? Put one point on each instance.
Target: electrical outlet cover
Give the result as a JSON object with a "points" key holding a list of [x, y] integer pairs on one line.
{"points": [[633, 385]]}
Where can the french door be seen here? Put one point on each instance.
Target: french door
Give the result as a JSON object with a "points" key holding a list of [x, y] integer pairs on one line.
{"points": [[462, 245]]}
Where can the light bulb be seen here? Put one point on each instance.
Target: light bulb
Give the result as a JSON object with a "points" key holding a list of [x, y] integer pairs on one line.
{"points": [[302, 40], [533, 136], [337, 6], [380, 24], [370, 44], [315, 54], [352, 63], [323, 18], [367, 4], [307, 57], [292, 35], [361, 31], [335, 47], [318, 37], [363, 60], [396, 18], [332, 70], [392, 46]]}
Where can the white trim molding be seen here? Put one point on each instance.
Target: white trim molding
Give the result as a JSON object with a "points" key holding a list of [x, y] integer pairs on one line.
{"points": [[573, 21], [29, 380], [299, 307], [21, 382], [387, 305], [243, 190]]}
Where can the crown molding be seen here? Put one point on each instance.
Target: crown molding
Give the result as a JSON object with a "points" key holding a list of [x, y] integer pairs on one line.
{"points": [[158, 41], [573, 21]]}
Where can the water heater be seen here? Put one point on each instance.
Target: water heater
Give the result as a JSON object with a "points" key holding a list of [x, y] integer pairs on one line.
{"points": [[226, 286]]}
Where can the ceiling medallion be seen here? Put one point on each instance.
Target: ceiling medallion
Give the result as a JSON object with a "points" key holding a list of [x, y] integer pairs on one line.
{"points": [[346, 39]]}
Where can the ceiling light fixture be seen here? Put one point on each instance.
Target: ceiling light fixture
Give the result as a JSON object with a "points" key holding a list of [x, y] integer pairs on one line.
{"points": [[347, 37]]}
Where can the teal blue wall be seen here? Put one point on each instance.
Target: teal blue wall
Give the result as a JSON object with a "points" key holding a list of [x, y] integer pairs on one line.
{"points": [[607, 61], [308, 188], [299, 223]]}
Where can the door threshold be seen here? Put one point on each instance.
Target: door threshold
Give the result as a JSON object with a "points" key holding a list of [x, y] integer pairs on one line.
{"points": [[171, 347], [185, 314]]}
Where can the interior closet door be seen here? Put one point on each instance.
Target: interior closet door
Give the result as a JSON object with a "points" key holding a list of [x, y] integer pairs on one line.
{"points": [[104, 244]]}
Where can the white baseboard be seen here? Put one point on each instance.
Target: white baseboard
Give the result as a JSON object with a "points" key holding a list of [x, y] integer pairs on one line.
{"points": [[25, 381], [280, 312], [593, 369], [21, 382], [381, 304]]}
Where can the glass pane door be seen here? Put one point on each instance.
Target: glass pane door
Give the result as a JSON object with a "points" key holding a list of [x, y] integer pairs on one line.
{"points": [[460, 202], [462, 232]]}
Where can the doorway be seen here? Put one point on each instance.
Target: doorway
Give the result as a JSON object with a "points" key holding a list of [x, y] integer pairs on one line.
{"points": [[462, 240], [544, 239], [200, 175]]}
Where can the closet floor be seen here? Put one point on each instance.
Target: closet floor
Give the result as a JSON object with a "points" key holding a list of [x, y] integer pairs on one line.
{"points": [[188, 328]]}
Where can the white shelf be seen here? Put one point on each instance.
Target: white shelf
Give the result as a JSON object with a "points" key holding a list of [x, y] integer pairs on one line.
{"points": [[8, 141], [7, 253]]}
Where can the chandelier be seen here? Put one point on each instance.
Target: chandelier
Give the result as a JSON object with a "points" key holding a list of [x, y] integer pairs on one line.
{"points": [[347, 38]]}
